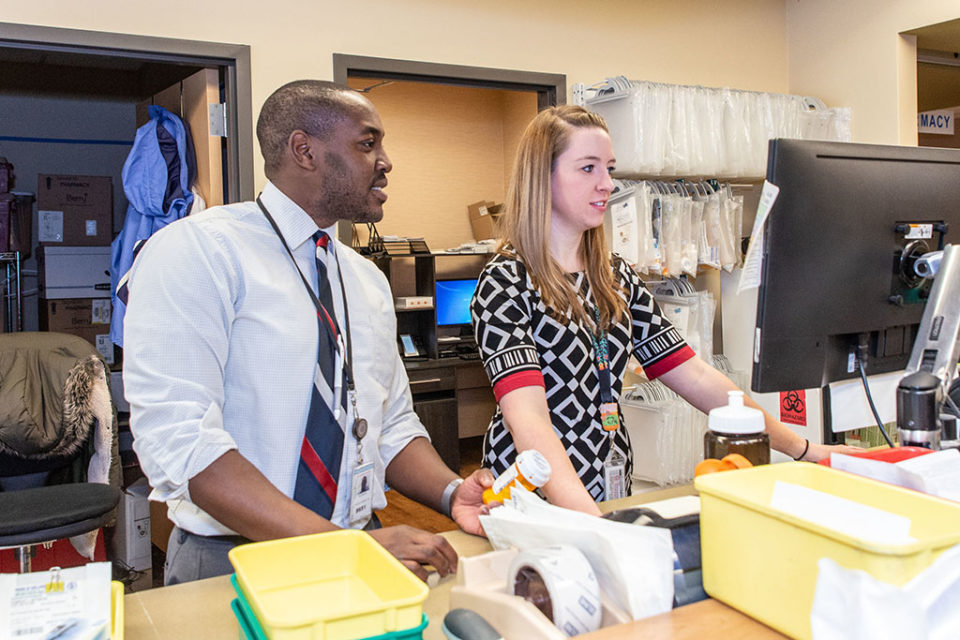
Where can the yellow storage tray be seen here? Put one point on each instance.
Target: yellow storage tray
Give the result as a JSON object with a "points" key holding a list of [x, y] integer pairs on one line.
{"points": [[764, 562], [328, 586], [116, 610]]}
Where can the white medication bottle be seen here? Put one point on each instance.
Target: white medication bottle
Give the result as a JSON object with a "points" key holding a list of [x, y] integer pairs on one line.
{"points": [[530, 469]]}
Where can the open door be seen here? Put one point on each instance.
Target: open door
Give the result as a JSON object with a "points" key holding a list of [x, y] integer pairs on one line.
{"points": [[196, 99]]}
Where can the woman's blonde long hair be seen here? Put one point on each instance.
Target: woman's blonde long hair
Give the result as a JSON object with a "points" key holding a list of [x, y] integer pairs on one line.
{"points": [[525, 224]]}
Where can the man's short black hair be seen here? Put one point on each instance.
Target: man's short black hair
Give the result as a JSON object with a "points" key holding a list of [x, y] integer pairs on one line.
{"points": [[313, 106]]}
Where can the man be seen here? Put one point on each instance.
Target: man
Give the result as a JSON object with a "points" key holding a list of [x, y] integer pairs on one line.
{"points": [[231, 339]]}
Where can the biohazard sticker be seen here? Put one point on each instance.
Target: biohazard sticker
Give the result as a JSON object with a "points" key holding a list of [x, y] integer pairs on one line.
{"points": [[793, 407]]}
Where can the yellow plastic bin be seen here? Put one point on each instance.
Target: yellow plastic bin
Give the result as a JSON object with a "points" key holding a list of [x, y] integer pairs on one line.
{"points": [[764, 562], [328, 586], [116, 610]]}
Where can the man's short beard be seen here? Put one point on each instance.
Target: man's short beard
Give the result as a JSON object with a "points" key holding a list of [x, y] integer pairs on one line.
{"points": [[339, 197]]}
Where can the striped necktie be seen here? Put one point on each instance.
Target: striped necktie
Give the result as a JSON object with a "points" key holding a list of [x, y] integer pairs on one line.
{"points": [[322, 447]]}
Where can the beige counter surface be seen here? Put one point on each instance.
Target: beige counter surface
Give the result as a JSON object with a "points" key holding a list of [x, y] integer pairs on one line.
{"points": [[202, 609]]}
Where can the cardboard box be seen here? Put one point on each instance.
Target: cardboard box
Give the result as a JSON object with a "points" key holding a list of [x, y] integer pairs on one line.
{"points": [[483, 219], [74, 272], [74, 210], [88, 318], [160, 525]]}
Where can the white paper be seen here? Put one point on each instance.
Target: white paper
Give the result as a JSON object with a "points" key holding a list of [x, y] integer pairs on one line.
{"points": [[936, 473], [876, 469], [753, 262], [29, 611], [939, 472], [850, 604], [859, 521], [50, 226], [849, 408], [634, 564], [625, 240]]}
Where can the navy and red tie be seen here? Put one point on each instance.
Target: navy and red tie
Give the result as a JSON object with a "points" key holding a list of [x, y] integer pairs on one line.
{"points": [[322, 447]]}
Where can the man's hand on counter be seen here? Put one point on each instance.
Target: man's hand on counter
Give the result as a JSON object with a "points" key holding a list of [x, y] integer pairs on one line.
{"points": [[416, 548], [467, 506]]}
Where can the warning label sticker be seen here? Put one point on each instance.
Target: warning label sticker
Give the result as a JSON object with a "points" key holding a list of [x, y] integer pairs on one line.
{"points": [[793, 407]]}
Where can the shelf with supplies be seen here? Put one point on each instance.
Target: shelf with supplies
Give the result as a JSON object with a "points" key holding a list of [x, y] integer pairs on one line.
{"points": [[451, 392]]}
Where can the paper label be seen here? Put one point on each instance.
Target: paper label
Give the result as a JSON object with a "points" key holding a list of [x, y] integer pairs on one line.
{"points": [[919, 232], [101, 311], [90, 227], [105, 347], [793, 407], [753, 262], [625, 241], [50, 226]]}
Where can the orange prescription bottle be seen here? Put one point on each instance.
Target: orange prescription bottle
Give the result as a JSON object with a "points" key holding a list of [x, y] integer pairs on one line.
{"points": [[531, 470]]}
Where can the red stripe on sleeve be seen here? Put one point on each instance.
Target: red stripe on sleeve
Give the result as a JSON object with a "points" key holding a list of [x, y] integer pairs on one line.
{"points": [[515, 381], [660, 367]]}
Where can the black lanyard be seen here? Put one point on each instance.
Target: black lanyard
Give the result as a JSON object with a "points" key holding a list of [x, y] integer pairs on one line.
{"points": [[348, 356], [601, 352]]}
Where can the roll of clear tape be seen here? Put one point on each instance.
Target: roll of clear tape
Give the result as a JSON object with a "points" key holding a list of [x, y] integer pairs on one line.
{"points": [[560, 582]]}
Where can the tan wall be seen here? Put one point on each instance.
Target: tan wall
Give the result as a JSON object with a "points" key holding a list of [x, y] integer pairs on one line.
{"points": [[449, 147], [938, 86], [848, 53], [739, 43]]}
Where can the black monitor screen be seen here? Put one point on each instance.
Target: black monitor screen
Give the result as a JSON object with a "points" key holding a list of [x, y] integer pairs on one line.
{"points": [[453, 302], [839, 244]]}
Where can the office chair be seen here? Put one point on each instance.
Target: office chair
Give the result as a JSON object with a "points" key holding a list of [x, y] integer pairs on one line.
{"points": [[59, 463]]}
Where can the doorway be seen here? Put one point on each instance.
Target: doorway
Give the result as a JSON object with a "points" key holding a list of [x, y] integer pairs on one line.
{"points": [[938, 81], [452, 132], [70, 101]]}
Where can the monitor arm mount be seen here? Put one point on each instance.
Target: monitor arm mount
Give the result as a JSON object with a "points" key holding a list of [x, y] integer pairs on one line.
{"points": [[933, 361]]}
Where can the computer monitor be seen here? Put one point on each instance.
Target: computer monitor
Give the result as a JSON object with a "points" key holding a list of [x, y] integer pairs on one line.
{"points": [[452, 301], [839, 244]]}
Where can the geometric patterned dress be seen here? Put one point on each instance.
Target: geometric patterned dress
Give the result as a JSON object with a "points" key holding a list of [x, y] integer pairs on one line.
{"points": [[522, 345]]}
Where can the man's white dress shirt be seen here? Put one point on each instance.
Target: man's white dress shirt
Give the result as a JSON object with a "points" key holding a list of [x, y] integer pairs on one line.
{"points": [[221, 346]]}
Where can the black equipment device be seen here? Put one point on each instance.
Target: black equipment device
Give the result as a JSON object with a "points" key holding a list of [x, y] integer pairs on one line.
{"points": [[933, 360], [838, 285]]}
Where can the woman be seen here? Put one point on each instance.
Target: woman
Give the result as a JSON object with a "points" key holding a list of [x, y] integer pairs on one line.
{"points": [[556, 318]]}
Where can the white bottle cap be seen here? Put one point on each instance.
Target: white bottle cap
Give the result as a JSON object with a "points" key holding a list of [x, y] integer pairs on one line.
{"points": [[534, 467], [735, 418]]}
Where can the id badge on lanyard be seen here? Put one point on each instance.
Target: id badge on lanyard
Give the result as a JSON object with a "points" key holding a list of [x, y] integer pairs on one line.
{"points": [[361, 498], [615, 464]]}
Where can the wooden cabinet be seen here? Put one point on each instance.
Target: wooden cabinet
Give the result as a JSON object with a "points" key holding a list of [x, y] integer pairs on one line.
{"points": [[451, 395], [439, 415]]}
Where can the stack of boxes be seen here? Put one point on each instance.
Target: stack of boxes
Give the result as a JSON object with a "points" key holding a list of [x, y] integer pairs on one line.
{"points": [[75, 228]]}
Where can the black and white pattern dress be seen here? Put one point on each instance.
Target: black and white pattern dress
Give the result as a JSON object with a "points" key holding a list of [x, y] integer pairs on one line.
{"points": [[522, 345]]}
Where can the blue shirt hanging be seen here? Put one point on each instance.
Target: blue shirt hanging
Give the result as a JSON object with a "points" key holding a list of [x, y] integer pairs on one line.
{"points": [[156, 180]]}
